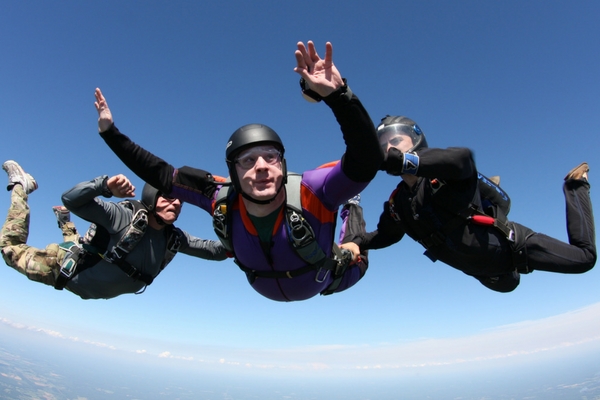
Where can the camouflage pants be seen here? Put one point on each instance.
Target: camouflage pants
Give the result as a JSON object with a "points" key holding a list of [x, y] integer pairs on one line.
{"points": [[40, 265]]}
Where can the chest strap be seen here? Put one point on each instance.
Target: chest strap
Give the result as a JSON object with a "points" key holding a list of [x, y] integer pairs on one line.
{"points": [[300, 234]]}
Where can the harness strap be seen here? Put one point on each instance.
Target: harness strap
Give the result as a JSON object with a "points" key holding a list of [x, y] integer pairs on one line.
{"points": [[79, 257], [338, 264], [439, 237], [302, 238], [508, 230], [486, 220], [131, 238], [126, 243], [68, 267], [173, 246], [344, 257], [133, 272], [286, 274], [515, 237], [300, 234]]}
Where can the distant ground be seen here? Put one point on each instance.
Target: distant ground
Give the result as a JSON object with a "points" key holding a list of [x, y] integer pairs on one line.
{"points": [[28, 370]]}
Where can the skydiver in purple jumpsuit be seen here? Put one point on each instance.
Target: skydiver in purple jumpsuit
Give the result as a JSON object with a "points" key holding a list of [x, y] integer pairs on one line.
{"points": [[258, 172]]}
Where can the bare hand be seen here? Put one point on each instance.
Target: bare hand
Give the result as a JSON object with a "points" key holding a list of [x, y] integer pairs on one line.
{"points": [[105, 119], [321, 75], [353, 247], [120, 186]]}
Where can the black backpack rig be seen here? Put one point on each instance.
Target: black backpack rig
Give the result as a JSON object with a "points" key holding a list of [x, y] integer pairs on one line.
{"points": [[93, 248]]}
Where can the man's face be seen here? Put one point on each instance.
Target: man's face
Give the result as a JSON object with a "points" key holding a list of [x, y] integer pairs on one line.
{"points": [[168, 209], [394, 139], [259, 171]]}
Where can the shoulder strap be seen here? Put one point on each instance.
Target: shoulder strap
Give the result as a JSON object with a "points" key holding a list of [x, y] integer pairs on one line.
{"points": [[224, 200], [493, 196], [221, 216], [292, 189], [132, 237], [134, 233], [300, 233], [174, 236]]}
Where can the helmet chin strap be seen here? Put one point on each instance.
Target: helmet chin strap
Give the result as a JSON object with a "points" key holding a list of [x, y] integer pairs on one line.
{"points": [[158, 219], [268, 201]]}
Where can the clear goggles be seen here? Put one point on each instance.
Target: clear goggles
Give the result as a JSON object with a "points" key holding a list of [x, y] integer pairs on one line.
{"points": [[248, 158], [396, 133]]}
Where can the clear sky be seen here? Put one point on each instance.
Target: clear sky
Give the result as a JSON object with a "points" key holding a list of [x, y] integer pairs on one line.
{"points": [[516, 81]]}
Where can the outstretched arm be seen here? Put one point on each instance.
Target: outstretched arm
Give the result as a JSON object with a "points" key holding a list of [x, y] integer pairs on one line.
{"points": [[203, 248], [191, 185], [454, 163], [363, 156], [144, 164], [147, 166]]}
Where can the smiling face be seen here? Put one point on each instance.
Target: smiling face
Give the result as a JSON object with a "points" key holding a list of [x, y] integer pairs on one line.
{"points": [[259, 171], [167, 209]]}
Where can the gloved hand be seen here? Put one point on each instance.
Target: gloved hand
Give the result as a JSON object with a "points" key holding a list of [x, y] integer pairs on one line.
{"points": [[394, 162]]}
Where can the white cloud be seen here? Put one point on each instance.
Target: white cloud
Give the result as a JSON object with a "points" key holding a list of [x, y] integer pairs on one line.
{"points": [[575, 330]]}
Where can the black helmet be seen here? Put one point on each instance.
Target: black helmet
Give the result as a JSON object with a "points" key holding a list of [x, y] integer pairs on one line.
{"points": [[248, 136], [251, 134], [403, 126], [149, 196]]}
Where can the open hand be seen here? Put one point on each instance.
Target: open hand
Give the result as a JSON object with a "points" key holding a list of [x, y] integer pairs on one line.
{"points": [[321, 74], [105, 119]]}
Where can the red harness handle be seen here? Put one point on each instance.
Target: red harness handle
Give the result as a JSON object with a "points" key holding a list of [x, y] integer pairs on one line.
{"points": [[483, 220]]}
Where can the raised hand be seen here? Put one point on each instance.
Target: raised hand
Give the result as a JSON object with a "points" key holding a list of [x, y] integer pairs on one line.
{"points": [[321, 74], [105, 119]]}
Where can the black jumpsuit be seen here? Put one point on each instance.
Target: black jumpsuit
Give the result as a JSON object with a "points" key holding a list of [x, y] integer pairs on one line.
{"points": [[433, 212]]}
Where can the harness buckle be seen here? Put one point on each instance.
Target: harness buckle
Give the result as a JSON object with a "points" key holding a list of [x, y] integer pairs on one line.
{"points": [[436, 184], [68, 266], [319, 271], [511, 236], [140, 221], [219, 221], [300, 231]]}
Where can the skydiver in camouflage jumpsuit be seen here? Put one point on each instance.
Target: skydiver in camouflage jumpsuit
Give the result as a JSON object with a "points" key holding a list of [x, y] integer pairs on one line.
{"points": [[102, 279], [40, 265]]}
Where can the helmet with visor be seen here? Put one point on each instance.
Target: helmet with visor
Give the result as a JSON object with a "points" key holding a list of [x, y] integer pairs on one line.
{"points": [[393, 126]]}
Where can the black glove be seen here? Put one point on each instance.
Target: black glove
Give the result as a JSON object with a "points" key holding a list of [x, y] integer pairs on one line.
{"points": [[394, 162]]}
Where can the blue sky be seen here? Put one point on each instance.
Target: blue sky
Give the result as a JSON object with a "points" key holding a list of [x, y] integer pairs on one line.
{"points": [[515, 81]]}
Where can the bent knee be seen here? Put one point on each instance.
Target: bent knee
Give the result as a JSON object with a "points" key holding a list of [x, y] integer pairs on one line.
{"points": [[587, 264]]}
